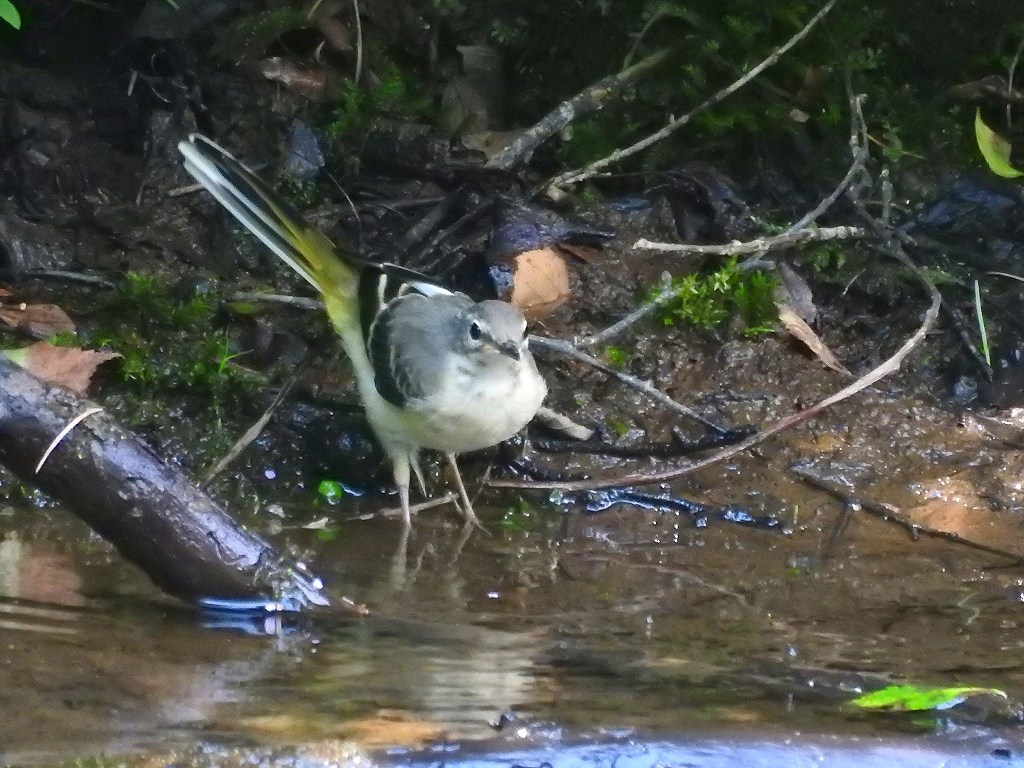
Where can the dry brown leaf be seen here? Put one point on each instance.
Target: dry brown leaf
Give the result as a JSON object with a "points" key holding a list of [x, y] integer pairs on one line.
{"points": [[799, 329], [4, 293], [540, 282], [68, 367], [40, 320], [308, 81]]}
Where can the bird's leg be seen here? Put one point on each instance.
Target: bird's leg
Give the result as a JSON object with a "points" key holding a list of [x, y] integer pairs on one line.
{"points": [[400, 471], [414, 460], [467, 505]]}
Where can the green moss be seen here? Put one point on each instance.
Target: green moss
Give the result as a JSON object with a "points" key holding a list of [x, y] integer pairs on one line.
{"points": [[617, 358], [394, 95], [710, 300], [171, 342]]}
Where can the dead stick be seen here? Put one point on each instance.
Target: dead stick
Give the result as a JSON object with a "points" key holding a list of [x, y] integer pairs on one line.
{"points": [[893, 515], [859, 160], [760, 245], [589, 100], [579, 174], [566, 349]]}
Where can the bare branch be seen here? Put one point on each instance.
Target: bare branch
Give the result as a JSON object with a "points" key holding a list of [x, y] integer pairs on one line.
{"points": [[762, 244], [589, 100], [891, 514], [566, 349], [860, 158], [580, 174]]}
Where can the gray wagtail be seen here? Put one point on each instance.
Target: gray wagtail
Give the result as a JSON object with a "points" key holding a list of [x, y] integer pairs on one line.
{"points": [[434, 368]]}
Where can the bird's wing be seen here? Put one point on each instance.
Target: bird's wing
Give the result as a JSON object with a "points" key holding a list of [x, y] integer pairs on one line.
{"points": [[408, 343]]}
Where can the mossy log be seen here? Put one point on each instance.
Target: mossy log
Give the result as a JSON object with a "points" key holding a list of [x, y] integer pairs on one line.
{"points": [[155, 516]]}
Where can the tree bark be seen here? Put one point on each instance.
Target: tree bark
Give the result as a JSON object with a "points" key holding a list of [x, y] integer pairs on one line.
{"points": [[155, 516]]}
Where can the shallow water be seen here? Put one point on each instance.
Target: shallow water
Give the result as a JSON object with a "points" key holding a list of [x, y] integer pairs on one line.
{"points": [[629, 637]]}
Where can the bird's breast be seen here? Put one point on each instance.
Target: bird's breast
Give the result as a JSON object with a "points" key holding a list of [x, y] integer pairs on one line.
{"points": [[480, 406]]}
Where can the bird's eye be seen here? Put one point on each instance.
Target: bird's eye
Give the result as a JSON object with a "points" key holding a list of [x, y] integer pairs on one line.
{"points": [[475, 331]]}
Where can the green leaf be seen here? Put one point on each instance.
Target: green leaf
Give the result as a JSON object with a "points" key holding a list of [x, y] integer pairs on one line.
{"points": [[995, 149], [10, 14], [912, 698]]}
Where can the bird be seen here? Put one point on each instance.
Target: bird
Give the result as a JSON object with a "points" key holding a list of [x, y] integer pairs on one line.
{"points": [[434, 369]]}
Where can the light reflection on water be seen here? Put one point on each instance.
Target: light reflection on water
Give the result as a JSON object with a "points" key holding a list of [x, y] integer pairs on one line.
{"points": [[794, 752]]}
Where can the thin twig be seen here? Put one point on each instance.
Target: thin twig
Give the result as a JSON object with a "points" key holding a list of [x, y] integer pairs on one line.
{"points": [[891, 514], [71, 277], [760, 245], [359, 43], [579, 174], [448, 498], [668, 293], [590, 99], [275, 298], [254, 431], [566, 349], [64, 433], [860, 158], [187, 189]]}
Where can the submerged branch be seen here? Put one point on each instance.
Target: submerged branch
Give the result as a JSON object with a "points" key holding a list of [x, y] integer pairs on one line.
{"points": [[891, 514]]}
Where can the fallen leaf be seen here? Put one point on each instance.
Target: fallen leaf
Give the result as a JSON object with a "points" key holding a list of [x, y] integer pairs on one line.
{"points": [[306, 80], [39, 320], [799, 329], [995, 149], [913, 698], [794, 292], [68, 367], [540, 282]]}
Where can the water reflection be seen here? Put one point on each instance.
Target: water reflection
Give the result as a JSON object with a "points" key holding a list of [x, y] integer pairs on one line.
{"points": [[587, 625]]}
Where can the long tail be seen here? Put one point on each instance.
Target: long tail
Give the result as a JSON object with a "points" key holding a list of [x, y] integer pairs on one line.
{"points": [[276, 223]]}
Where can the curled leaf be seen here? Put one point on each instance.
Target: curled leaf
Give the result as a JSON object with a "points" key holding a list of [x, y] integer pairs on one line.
{"points": [[995, 149], [540, 282], [799, 329]]}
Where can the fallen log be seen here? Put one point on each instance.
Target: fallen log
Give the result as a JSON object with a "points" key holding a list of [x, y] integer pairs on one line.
{"points": [[155, 516]]}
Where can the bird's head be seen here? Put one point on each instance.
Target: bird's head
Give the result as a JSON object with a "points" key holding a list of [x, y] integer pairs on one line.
{"points": [[492, 328]]}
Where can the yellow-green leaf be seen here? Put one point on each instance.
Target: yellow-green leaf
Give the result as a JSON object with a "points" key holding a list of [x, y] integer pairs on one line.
{"points": [[995, 149], [10, 14], [912, 698]]}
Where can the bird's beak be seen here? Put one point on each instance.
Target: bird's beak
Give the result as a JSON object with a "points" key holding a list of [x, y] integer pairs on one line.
{"points": [[509, 349]]}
